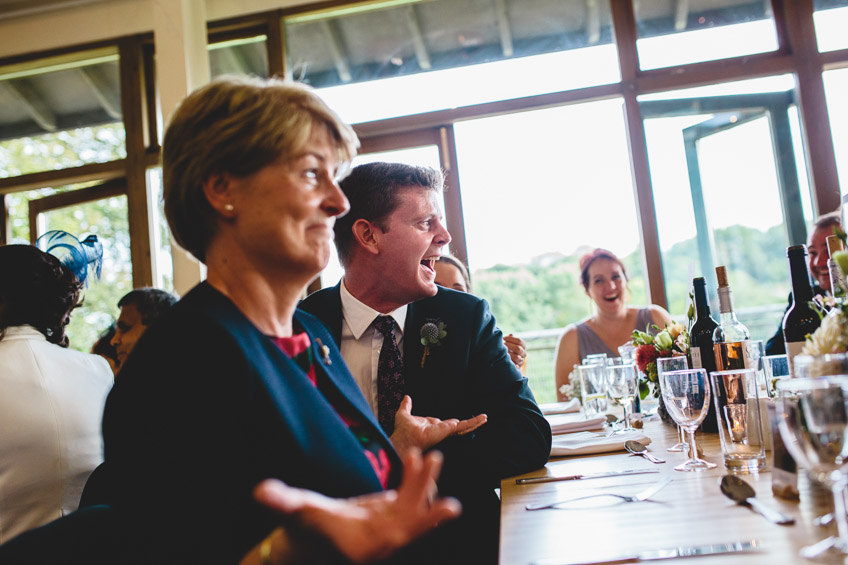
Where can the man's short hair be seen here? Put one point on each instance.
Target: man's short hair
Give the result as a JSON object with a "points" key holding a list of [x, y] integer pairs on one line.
{"points": [[151, 303], [372, 190], [829, 219]]}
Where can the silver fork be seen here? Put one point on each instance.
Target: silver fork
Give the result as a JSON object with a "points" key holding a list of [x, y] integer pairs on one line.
{"points": [[638, 497]]}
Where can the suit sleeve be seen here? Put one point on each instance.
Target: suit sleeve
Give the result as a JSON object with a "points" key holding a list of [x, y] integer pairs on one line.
{"points": [[517, 438]]}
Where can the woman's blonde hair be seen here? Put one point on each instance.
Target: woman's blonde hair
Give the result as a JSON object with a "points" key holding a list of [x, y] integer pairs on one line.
{"points": [[236, 125]]}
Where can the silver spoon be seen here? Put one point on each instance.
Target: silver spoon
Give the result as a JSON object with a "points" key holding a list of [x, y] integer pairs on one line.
{"points": [[742, 493], [636, 448]]}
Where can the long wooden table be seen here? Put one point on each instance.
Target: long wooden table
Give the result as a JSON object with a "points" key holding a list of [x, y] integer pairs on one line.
{"points": [[689, 511]]}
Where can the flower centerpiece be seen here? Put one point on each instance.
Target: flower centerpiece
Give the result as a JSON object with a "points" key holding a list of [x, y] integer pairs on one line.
{"points": [[670, 341]]}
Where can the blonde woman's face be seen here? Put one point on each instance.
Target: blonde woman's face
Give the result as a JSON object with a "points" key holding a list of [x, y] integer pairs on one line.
{"points": [[284, 213], [607, 285], [448, 276]]}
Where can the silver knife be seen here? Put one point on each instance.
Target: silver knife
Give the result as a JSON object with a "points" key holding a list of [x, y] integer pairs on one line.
{"points": [[668, 553], [537, 480]]}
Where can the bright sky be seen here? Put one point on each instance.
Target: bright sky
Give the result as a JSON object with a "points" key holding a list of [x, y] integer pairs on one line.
{"points": [[557, 179]]}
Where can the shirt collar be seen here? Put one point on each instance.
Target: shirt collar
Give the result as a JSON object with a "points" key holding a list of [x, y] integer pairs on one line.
{"points": [[359, 316]]}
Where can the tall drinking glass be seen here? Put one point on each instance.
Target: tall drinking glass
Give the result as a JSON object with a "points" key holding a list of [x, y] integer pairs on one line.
{"points": [[687, 399], [593, 389], [813, 422], [674, 364], [623, 387], [775, 368]]}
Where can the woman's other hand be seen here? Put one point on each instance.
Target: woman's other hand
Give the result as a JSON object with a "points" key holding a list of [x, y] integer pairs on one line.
{"points": [[365, 528]]}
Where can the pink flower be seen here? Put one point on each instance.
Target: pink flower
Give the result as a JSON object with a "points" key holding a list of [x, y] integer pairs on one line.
{"points": [[645, 354]]}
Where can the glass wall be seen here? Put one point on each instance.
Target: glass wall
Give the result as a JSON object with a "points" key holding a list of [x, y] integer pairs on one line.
{"points": [[836, 90], [728, 191], [63, 112], [106, 218], [831, 19], [677, 33], [539, 190], [376, 62]]}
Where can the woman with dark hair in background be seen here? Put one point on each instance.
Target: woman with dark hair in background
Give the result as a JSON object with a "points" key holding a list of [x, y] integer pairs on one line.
{"points": [[604, 279], [52, 397], [451, 273]]}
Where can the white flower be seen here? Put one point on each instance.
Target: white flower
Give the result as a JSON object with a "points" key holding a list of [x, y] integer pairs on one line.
{"points": [[829, 337]]}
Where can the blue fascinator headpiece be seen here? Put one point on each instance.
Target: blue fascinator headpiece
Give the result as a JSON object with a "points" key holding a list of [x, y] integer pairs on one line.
{"points": [[76, 255]]}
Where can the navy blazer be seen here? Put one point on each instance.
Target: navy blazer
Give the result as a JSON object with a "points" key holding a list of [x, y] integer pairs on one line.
{"points": [[470, 373], [207, 407]]}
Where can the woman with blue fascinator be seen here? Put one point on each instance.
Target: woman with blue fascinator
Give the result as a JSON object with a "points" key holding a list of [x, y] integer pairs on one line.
{"points": [[52, 397]]}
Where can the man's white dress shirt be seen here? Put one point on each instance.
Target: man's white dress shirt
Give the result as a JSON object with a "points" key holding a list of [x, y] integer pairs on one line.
{"points": [[361, 342]]}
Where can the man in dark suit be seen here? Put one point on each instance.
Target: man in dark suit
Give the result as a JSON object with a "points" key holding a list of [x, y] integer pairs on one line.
{"points": [[454, 362], [817, 256]]}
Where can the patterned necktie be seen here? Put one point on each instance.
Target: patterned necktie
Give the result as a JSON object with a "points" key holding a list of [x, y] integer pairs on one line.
{"points": [[389, 374]]}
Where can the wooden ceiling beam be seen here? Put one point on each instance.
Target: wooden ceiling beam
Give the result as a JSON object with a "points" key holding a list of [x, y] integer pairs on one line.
{"points": [[681, 15], [32, 102], [417, 37], [337, 50], [100, 89], [593, 22], [502, 13]]}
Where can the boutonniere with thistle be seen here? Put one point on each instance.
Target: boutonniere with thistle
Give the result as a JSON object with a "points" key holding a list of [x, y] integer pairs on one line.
{"points": [[432, 333]]}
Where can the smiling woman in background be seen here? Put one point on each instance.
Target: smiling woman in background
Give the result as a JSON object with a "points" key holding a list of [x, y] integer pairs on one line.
{"points": [[605, 280]]}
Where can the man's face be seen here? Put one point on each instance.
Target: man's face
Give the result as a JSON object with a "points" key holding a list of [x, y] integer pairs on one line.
{"points": [[818, 255], [127, 331], [410, 245]]}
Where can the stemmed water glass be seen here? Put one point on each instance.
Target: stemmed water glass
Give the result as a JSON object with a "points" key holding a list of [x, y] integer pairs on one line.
{"points": [[674, 364], [687, 399], [813, 423], [622, 388]]}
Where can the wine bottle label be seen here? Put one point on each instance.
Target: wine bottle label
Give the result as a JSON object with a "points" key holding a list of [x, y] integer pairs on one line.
{"points": [[734, 355], [793, 348], [695, 352]]}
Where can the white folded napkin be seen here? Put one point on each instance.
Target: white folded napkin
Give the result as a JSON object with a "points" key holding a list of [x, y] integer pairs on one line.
{"points": [[585, 443], [569, 423], [566, 407]]}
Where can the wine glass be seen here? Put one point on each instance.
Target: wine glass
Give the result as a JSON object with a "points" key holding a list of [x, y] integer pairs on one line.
{"points": [[622, 388], [687, 399], [813, 423], [674, 364]]}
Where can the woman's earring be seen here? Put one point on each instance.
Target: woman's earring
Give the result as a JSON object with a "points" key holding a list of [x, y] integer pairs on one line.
{"points": [[228, 207]]}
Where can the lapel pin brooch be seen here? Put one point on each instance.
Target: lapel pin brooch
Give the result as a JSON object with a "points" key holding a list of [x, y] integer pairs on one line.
{"points": [[325, 352], [432, 332]]}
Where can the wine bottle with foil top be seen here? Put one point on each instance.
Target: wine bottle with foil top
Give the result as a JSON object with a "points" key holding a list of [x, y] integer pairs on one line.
{"points": [[701, 343], [837, 279], [800, 320], [731, 339]]}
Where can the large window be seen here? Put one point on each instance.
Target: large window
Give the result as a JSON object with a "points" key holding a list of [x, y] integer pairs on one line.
{"points": [[539, 190], [676, 33], [79, 210], [729, 191], [401, 58], [836, 88], [59, 116], [831, 19], [60, 113]]}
